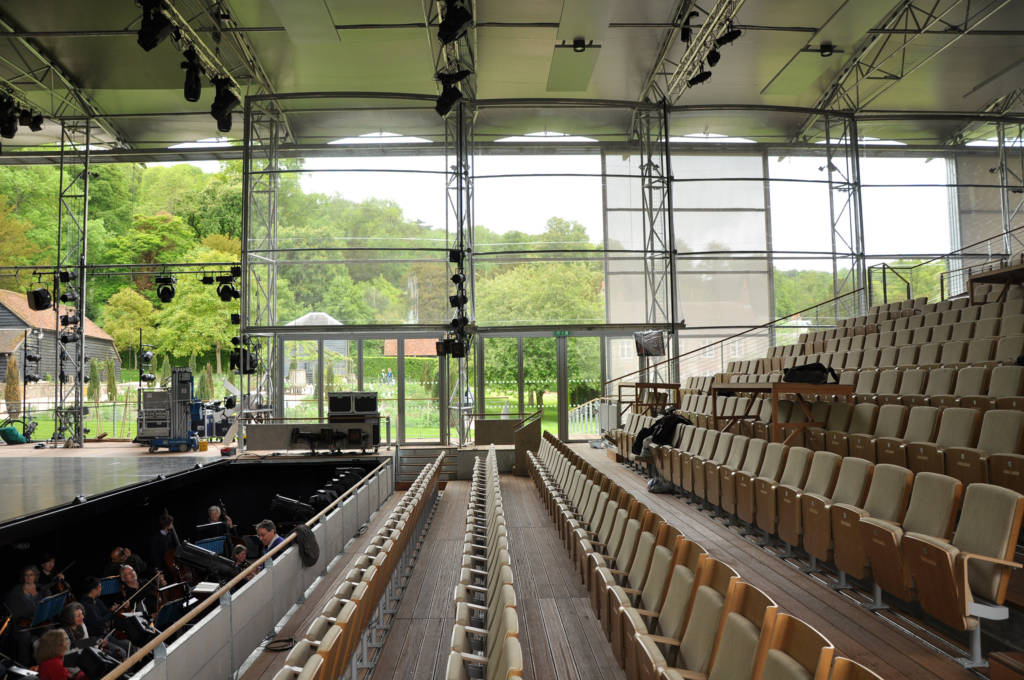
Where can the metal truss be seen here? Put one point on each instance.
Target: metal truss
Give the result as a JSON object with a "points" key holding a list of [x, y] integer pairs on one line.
{"points": [[668, 77], [842, 165], [69, 284], [892, 50], [454, 56], [36, 70], [459, 229], [264, 133], [652, 133]]}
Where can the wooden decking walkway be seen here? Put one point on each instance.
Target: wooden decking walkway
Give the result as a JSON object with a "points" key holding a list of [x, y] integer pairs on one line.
{"points": [[856, 632], [558, 631]]}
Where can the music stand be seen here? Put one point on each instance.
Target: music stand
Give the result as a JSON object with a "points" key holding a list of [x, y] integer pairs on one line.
{"points": [[49, 608], [111, 585], [217, 545], [169, 613], [211, 530]]}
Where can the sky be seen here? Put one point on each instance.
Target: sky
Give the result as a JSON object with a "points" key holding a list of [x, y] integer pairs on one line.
{"points": [[896, 220]]}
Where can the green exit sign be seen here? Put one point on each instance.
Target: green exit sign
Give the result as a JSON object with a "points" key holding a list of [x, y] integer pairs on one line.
{"points": [[561, 334]]}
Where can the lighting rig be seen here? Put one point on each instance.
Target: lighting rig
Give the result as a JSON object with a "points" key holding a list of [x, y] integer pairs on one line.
{"points": [[456, 342], [14, 114]]}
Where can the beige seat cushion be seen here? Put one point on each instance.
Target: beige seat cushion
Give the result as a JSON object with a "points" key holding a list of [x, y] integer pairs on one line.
{"points": [[781, 666], [699, 638], [985, 528], [737, 649]]}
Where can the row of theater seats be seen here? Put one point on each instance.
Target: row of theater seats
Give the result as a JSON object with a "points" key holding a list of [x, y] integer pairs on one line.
{"points": [[992, 321], [970, 444], [880, 520], [356, 609], [485, 637], [669, 610]]}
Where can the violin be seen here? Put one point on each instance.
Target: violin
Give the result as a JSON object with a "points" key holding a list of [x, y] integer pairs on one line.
{"points": [[60, 584]]}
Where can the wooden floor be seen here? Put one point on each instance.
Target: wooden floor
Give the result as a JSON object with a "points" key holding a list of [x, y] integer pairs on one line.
{"points": [[560, 636], [856, 632]]}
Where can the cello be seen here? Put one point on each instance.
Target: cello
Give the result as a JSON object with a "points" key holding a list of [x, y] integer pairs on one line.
{"points": [[178, 572]]}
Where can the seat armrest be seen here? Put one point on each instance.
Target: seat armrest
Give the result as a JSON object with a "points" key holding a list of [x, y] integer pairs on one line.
{"points": [[965, 556], [690, 675], [662, 639], [474, 658]]}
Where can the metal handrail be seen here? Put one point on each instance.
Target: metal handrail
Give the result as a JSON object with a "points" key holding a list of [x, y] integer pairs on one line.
{"points": [[885, 284], [251, 570], [769, 324]]}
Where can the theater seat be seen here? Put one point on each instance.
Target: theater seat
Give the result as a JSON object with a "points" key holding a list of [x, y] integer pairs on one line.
{"points": [[821, 480], [958, 427], [794, 475], [934, 504], [796, 652], [850, 489], [1001, 432], [963, 581]]}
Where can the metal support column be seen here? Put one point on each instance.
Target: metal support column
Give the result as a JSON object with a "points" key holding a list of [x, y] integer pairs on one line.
{"points": [[69, 284]]}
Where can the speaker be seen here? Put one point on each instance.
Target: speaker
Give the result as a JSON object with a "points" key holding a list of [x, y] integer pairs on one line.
{"points": [[39, 299]]}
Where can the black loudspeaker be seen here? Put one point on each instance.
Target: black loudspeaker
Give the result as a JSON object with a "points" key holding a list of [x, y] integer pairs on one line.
{"points": [[39, 299]]}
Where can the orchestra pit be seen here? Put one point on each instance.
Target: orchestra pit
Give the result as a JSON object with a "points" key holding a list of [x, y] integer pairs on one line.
{"points": [[561, 339]]}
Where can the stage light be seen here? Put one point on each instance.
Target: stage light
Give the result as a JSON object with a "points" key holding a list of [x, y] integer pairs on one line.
{"points": [[165, 288], [236, 270], [227, 292], [450, 96], [459, 322], [156, 25], [456, 256], [236, 318], [69, 337], [67, 275], [699, 78], [193, 71], [147, 377], [69, 319], [458, 300], [452, 78], [728, 36], [686, 33], [33, 357], [146, 357], [714, 56], [69, 296], [224, 102], [242, 360], [39, 299], [826, 48], [36, 124], [236, 341], [207, 280], [455, 22], [458, 278], [579, 45], [32, 377]]}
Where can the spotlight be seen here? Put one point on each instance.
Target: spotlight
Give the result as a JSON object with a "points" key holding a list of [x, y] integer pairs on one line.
{"points": [[67, 275], [146, 357], [227, 292], [714, 56], [579, 45], [36, 124], [147, 377], [686, 33], [452, 78], [457, 348], [69, 337], [236, 318], [32, 377], [456, 256], [156, 25], [224, 102], [450, 96], [24, 118], [236, 341], [458, 278], [699, 78], [242, 360], [455, 22], [826, 48], [69, 319], [236, 270], [39, 299], [193, 87], [207, 280], [458, 300], [69, 296], [32, 357], [459, 322], [728, 36], [165, 288]]}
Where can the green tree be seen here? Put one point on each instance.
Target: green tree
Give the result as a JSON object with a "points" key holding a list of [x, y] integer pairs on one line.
{"points": [[207, 381], [93, 389], [12, 387], [111, 379], [125, 313], [329, 376], [165, 368], [194, 322], [192, 363], [153, 239], [20, 247]]}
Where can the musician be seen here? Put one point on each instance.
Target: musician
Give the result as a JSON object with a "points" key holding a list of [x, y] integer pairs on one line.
{"points": [[72, 619], [120, 556], [241, 555], [266, 531], [214, 514], [47, 571], [21, 602], [97, 615], [166, 539], [53, 645], [144, 601]]}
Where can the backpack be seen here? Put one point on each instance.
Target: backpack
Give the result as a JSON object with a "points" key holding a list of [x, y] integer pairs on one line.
{"points": [[812, 374]]}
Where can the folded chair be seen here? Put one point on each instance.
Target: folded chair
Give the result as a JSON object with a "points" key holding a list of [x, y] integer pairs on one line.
{"points": [[796, 652], [816, 510], [1001, 432]]}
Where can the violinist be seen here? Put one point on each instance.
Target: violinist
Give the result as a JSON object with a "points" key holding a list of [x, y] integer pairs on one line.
{"points": [[120, 556], [53, 645], [21, 602], [143, 598], [72, 619]]}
